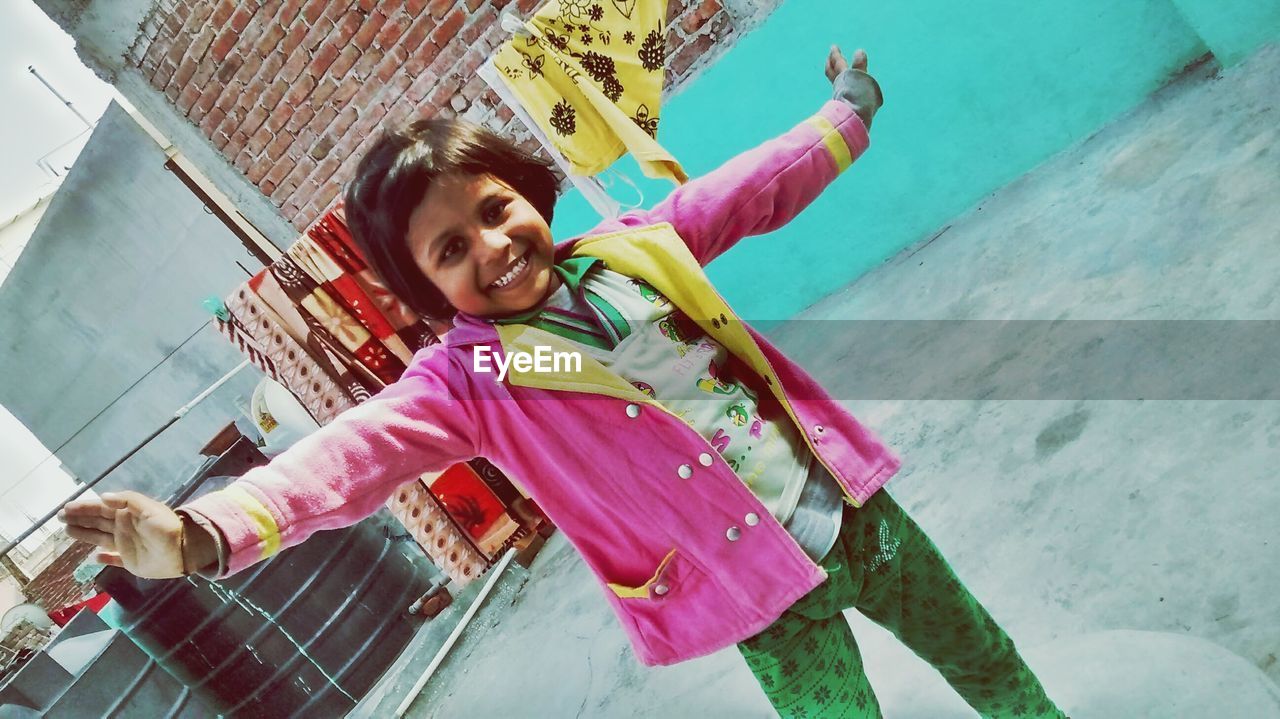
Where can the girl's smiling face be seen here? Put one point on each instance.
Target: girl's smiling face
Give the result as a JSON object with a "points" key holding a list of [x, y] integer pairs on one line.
{"points": [[483, 245]]}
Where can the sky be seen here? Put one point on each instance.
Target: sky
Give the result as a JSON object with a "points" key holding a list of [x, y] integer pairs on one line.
{"points": [[33, 122], [31, 483]]}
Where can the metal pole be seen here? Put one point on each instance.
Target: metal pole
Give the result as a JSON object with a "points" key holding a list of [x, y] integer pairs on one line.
{"points": [[418, 686], [32, 69], [182, 411]]}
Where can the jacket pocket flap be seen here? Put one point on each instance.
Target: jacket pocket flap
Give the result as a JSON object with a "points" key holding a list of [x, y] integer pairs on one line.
{"points": [[650, 587]]}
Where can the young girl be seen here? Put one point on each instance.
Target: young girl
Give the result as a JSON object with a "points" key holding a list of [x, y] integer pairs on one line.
{"points": [[717, 493]]}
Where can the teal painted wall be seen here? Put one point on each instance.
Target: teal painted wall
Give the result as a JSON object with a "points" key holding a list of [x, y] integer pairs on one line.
{"points": [[976, 94], [1233, 28]]}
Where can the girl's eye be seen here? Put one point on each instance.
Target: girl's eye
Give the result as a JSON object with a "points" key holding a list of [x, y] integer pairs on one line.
{"points": [[493, 212], [451, 247]]}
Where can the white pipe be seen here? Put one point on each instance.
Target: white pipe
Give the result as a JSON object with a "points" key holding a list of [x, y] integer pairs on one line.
{"points": [[32, 69], [182, 411], [494, 573]]}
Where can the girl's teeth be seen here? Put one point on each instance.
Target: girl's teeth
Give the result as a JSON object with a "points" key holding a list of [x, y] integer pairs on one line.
{"points": [[515, 271]]}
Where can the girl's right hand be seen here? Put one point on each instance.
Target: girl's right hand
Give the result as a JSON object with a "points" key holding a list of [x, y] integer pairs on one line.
{"points": [[132, 531]]}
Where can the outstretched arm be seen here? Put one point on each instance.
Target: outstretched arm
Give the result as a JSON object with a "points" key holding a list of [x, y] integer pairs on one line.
{"points": [[140, 534], [763, 188], [332, 478]]}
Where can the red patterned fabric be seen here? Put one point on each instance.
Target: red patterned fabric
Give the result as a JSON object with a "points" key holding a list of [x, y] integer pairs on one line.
{"points": [[320, 322], [476, 509]]}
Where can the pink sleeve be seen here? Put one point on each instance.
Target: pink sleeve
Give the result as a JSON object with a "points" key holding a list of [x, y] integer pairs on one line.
{"points": [[346, 470], [759, 190]]}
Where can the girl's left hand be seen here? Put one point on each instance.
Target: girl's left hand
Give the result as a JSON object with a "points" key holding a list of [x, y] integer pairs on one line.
{"points": [[853, 84]]}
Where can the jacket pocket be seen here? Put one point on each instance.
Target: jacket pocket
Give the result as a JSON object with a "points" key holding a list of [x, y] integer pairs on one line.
{"points": [[679, 613], [653, 588]]}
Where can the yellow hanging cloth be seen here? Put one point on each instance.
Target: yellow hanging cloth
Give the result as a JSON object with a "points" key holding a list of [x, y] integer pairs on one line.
{"points": [[590, 72]]}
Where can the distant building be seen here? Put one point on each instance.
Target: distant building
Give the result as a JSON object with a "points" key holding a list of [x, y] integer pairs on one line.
{"points": [[44, 577], [105, 332]]}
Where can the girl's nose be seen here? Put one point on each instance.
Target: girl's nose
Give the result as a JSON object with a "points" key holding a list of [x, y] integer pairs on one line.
{"points": [[496, 245], [495, 238]]}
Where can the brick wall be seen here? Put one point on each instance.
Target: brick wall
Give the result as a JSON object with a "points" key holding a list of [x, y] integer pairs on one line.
{"points": [[56, 587], [292, 91]]}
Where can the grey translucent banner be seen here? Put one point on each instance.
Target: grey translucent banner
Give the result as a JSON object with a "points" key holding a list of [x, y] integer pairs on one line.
{"points": [[1037, 359], [987, 359]]}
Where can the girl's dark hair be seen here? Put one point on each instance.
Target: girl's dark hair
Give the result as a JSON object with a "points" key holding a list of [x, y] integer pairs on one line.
{"points": [[396, 173]]}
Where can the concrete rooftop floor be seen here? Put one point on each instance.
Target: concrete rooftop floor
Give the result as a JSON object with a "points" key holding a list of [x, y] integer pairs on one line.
{"points": [[1129, 547]]}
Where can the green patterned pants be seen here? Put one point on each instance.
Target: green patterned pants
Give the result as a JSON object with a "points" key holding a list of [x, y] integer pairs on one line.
{"points": [[885, 566]]}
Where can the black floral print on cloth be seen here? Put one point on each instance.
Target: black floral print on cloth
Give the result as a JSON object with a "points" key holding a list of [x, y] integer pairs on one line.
{"points": [[533, 64], [559, 42], [625, 7], [651, 51], [601, 69], [562, 118], [646, 123], [590, 74], [574, 10]]}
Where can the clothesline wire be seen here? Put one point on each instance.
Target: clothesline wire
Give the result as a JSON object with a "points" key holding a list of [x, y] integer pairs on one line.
{"points": [[86, 486], [110, 404]]}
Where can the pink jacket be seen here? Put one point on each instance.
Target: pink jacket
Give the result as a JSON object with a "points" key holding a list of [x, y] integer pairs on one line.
{"points": [[687, 556]]}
